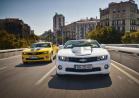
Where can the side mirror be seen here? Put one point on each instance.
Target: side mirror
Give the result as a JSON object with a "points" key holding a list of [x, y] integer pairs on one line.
{"points": [[103, 45], [61, 46]]}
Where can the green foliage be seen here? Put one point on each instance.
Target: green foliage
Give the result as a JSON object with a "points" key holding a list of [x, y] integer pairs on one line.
{"points": [[131, 37], [55, 38], [7, 40], [10, 41], [105, 35]]}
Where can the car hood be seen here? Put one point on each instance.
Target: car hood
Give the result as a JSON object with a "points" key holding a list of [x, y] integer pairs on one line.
{"points": [[82, 51], [38, 49]]}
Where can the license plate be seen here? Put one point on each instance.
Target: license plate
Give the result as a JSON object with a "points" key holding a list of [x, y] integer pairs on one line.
{"points": [[33, 57], [83, 66]]}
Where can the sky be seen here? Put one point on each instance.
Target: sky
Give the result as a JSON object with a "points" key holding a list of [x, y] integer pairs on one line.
{"points": [[39, 13]]}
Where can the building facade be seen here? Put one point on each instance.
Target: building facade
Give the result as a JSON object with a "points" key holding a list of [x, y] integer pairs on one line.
{"points": [[70, 31], [123, 16], [84, 26], [58, 22], [78, 29]]}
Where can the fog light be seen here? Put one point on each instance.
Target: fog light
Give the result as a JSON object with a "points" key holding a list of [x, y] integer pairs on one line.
{"points": [[106, 66], [59, 67], [46, 57]]}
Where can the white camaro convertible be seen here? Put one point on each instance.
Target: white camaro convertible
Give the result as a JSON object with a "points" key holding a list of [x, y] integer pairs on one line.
{"points": [[82, 57]]}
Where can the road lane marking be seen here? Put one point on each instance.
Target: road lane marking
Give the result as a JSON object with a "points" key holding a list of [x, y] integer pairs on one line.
{"points": [[2, 68], [45, 76], [10, 57], [127, 74], [126, 67]]}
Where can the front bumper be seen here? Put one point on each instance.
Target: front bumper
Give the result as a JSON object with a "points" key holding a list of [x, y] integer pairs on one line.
{"points": [[37, 58], [97, 68]]}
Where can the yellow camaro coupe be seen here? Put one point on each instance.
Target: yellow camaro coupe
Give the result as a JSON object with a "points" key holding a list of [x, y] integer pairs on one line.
{"points": [[41, 51]]}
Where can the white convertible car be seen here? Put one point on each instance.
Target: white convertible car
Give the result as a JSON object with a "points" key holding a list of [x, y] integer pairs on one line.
{"points": [[82, 57]]}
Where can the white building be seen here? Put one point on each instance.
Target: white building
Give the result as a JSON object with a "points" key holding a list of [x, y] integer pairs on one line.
{"points": [[85, 25], [78, 29]]}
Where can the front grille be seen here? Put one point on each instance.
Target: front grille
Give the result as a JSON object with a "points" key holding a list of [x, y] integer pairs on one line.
{"points": [[34, 53], [79, 60], [83, 70], [34, 58]]}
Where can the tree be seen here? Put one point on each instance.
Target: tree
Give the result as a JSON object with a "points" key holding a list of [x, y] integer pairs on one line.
{"points": [[105, 35], [7, 40], [10, 41], [131, 37]]}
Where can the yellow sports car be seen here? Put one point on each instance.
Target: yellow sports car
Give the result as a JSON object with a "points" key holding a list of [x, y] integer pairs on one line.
{"points": [[41, 51]]}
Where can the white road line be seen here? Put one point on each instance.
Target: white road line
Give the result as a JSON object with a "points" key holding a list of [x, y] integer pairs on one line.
{"points": [[126, 67], [10, 57], [46, 75], [2, 68], [127, 74]]}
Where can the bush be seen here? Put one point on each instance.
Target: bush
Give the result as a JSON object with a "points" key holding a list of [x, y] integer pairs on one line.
{"points": [[131, 37], [10, 41], [105, 35], [7, 40]]}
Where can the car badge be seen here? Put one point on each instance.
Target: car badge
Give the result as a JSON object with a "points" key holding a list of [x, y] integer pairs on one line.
{"points": [[82, 60]]}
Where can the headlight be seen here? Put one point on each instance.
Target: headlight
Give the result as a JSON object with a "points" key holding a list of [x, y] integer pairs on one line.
{"points": [[62, 58], [24, 53], [46, 52], [104, 57]]}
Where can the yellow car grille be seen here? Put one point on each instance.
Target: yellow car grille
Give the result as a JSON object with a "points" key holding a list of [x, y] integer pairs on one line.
{"points": [[34, 53]]}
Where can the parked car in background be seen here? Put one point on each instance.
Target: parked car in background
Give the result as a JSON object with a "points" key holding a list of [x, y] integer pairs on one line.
{"points": [[82, 57]]}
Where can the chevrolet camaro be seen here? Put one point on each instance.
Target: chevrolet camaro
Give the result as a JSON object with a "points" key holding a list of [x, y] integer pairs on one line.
{"points": [[82, 57], [41, 51]]}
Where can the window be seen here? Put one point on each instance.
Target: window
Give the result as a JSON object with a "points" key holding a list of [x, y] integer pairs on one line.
{"points": [[123, 22], [114, 11], [82, 43], [124, 10]]}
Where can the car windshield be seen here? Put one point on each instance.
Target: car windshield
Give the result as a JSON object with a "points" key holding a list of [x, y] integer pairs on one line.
{"points": [[82, 43], [43, 45]]}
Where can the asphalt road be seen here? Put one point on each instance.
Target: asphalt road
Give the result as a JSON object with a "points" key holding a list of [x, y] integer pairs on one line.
{"points": [[38, 80], [127, 59]]}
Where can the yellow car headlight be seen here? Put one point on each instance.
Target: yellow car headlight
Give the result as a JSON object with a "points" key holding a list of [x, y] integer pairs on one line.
{"points": [[24, 53]]}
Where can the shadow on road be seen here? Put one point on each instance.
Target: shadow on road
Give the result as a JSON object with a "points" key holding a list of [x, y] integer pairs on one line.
{"points": [[33, 64], [80, 82]]}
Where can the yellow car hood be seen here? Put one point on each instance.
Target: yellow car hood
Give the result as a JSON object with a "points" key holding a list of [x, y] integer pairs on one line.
{"points": [[37, 50]]}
